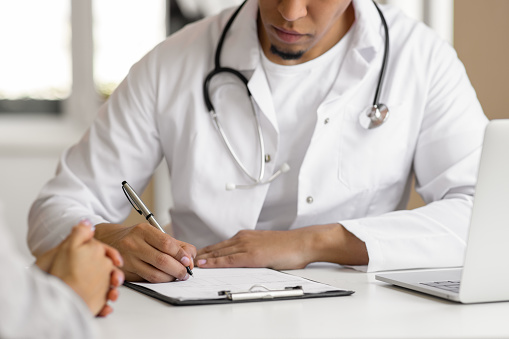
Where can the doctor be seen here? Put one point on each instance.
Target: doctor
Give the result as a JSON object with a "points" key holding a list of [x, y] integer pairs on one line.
{"points": [[305, 169]]}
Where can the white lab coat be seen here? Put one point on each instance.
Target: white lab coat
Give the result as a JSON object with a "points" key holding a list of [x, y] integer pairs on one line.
{"points": [[36, 305], [354, 176]]}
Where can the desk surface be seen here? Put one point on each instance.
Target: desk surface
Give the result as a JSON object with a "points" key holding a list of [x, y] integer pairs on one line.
{"points": [[376, 310]]}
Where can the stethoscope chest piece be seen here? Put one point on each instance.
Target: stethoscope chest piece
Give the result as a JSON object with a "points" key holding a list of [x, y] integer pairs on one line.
{"points": [[375, 116]]}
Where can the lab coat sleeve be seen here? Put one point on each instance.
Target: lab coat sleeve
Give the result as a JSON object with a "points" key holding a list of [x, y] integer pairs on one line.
{"points": [[122, 144], [34, 304], [445, 163]]}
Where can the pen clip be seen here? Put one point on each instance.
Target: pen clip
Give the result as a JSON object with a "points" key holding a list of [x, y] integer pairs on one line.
{"points": [[136, 207]]}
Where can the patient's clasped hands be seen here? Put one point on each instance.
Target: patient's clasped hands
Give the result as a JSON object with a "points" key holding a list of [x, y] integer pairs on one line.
{"points": [[88, 266]]}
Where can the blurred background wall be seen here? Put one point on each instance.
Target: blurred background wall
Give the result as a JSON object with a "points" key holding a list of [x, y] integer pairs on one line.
{"points": [[36, 127], [480, 37]]}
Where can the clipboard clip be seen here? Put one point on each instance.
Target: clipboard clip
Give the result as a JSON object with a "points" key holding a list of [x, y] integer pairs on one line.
{"points": [[262, 292]]}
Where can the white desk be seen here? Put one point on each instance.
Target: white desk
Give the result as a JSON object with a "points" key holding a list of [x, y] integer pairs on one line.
{"points": [[376, 310]]}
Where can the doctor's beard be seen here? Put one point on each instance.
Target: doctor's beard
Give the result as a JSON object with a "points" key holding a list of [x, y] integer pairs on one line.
{"points": [[286, 55]]}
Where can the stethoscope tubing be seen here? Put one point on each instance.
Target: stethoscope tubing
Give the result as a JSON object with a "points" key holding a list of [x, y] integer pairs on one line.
{"points": [[385, 58], [206, 85], [232, 152]]}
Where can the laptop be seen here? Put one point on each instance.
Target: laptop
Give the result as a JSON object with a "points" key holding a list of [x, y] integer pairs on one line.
{"points": [[484, 276]]}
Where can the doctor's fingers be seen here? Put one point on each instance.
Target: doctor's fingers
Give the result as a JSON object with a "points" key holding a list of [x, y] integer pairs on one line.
{"points": [[188, 248], [140, 270], [181, 251], [206, 251], [242, 259], [165, 263]]}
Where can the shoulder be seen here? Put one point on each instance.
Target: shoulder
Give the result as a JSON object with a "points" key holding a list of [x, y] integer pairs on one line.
{"points": [[184, 54], [409, 34], [418, 48], [197, 39]]}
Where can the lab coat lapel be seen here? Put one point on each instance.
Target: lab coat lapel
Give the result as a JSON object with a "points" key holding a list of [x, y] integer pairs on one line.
{"points": [[365, 50], [241, 51], [241, 46], [260, 91]]}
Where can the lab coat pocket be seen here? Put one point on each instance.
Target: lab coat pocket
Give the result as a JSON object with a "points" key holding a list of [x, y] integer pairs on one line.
{"points": [[370, 159]]}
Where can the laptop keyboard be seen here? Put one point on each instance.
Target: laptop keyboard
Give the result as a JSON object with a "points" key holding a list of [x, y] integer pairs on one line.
{"points": [[453, 286]]}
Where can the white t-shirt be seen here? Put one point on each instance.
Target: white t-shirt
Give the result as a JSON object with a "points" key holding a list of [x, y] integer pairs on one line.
{"points": [[297, 92]]}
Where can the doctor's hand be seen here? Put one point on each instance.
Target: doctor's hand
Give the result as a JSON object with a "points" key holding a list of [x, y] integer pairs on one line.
{"points": [[88, 266], [148, 253], [282, 250]]}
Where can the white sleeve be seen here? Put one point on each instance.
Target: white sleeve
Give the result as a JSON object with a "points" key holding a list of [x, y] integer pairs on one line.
{"points": [[446, 160], [34, 304], [122, 144]]}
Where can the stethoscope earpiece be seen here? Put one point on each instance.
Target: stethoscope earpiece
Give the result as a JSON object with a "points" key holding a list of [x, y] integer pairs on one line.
{"points": [[283, 169], [375, 116]]}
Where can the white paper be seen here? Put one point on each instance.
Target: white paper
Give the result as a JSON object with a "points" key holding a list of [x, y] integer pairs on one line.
{"points": [[206, 283]]}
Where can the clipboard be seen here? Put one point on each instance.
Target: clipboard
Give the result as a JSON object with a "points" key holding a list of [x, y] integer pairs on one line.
{"points": [[227, 286]]}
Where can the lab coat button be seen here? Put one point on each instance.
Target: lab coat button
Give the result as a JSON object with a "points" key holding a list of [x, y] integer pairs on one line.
{"points": [[309, 200], [326, 121], [267, 157]]}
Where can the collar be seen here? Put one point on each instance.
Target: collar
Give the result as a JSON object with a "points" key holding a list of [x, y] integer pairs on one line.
{"points": [[368, 38], [241, 49]]}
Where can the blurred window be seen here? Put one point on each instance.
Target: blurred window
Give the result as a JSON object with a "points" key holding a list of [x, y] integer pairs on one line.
{"points": [[37, 63], [124, 31]]}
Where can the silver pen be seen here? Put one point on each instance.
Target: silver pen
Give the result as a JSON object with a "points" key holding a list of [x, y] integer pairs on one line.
{"points": [[142, 209]]}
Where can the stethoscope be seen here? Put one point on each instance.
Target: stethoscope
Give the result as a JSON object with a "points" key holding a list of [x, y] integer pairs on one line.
{"points": [[375, 116]]}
